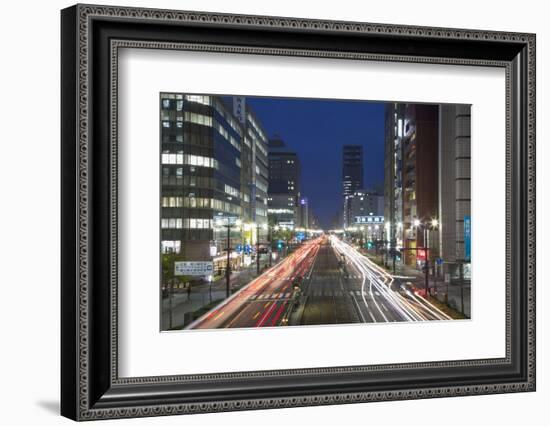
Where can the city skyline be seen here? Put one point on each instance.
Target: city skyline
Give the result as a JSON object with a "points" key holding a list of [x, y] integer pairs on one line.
{"points": [[331, 124], [240, 239]]}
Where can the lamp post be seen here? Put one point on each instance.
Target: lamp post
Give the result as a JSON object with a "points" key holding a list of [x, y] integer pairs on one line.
{"points": [[434, 223], [276, 229], [257, 249], [418, 224], [229, 225]]}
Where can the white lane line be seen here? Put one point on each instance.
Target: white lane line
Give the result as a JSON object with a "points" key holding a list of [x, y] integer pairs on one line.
{"points": [[358, 307]]}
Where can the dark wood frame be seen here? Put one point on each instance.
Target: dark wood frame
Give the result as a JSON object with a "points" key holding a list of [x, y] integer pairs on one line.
{"points": [[90, 386]]}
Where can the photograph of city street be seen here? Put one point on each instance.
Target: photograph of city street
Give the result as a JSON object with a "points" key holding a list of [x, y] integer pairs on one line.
{"points": [[280, 212]]}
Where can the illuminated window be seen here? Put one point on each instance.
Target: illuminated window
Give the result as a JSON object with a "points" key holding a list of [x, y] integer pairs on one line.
{"points": [[202, 119], [204, 100], [170, 246]]}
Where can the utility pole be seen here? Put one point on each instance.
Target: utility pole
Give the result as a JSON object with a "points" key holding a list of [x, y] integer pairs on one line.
{"points": [[269, 236], [171, 287], [228, 266], [393, 249], [427, 272], [257, 249], [461, 276], [427, 262]]}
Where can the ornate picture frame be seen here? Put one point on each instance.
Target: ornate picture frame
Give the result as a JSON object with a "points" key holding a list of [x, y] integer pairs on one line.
{"points": [[90, 39]]}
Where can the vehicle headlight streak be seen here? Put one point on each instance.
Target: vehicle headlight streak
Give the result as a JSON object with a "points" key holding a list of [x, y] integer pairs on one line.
{"points": [[415, 309]]}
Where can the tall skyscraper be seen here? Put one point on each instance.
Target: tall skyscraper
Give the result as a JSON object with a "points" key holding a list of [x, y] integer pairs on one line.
{"points": [[411, 181], [284, 184], [352, 176]]}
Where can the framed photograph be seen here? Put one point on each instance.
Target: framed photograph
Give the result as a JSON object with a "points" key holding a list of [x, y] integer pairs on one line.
{"points": [[263, 212]]}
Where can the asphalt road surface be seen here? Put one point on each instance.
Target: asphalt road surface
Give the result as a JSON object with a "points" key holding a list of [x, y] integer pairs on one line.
{"points": [[379, 296], [325, 296], [267, 300], [338, 285]]}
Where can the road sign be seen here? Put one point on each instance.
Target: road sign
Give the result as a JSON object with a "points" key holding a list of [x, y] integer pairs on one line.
{"points": [[439, 261], [193, 268], [467, 237]]}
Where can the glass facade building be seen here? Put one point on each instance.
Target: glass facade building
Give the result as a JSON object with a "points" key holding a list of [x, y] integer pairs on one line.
{"points": [[208, 158]]}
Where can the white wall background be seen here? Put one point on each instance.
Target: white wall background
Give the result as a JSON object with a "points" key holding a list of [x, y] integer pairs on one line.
{"points": [[29, 211]]}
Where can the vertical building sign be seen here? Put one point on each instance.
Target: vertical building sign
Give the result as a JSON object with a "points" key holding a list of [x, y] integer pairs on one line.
{"points": [[239, 108], [467, 238]]}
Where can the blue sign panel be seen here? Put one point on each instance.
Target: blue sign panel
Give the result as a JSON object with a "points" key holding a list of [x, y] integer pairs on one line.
{"points": [[467, 237]]}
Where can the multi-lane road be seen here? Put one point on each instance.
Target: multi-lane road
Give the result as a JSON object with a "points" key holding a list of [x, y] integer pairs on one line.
{"points": [[380, 296], [267, 300], [337, 285]]}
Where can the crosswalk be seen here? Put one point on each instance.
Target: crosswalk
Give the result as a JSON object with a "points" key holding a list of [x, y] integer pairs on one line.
{"points": [[311, 293], [274, 275], [360, 293], [272, 296]]}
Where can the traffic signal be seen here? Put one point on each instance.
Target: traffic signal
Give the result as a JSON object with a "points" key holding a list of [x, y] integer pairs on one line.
{"points": [[421, 254]]}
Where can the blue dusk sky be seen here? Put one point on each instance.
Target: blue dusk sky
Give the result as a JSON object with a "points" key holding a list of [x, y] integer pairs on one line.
{"points": [[317, 129]]}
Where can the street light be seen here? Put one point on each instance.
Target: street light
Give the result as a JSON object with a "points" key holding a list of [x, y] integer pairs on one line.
{"points": [[264, 226], [433, 224], [229, 225]]}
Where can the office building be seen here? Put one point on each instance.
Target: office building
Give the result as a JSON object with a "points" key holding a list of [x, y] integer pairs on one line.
{"points": [[365, 203], [411, 181], [454, 190], [284, 184], [213, 169], [352, 177]]}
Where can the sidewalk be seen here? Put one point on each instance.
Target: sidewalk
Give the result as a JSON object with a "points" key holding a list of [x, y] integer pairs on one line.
{"points": [[183, 305], [457, 294]]}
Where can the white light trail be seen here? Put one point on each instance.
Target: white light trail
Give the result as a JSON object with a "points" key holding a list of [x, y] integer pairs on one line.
{"points": [[413, 309]]}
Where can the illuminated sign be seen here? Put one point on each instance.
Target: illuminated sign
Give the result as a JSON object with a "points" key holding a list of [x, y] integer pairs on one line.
{"points": [[193, 268], [421, 254], [368, 219], [467, 237]]}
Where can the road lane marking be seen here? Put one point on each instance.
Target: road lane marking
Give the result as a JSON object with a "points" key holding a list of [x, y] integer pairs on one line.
{"points": [[266, 315]]}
